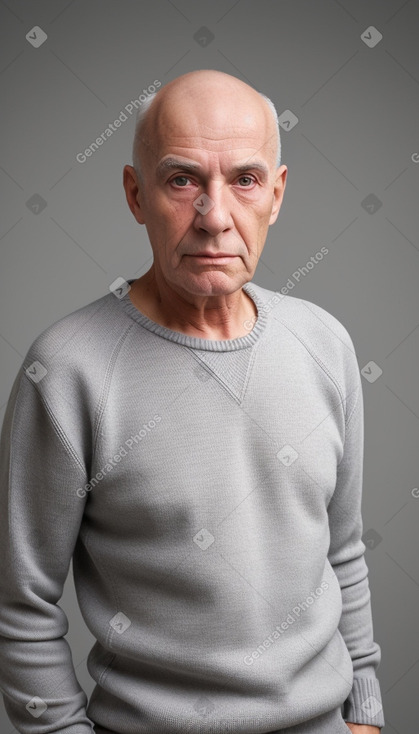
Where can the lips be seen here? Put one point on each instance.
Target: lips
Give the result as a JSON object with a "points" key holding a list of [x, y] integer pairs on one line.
{"points": [[213, 254]]}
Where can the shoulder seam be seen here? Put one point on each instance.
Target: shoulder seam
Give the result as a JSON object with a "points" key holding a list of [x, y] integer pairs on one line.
{"points": [[58, 429], [307, 305], [316, 359], [76, 329], [106, 383], [357, 389]]}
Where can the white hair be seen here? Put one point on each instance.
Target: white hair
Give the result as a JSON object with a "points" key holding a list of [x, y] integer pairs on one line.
{"points": [[139, 125], [141, 119], [278, 136]]}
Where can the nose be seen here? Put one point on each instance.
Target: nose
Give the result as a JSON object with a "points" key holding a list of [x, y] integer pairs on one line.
{"points": [[213, 212]]}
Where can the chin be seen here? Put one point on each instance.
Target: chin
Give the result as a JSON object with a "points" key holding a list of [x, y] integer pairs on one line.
{"points": [[212, 283]]}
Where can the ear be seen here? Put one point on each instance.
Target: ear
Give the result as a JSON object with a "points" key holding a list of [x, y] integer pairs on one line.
{"points": [[133, 193], [278, 193]]}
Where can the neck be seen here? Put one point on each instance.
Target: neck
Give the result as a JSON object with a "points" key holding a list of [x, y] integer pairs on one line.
{"points": [[218, 317]]}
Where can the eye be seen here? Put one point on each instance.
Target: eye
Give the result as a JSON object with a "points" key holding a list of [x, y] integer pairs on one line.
{"points": [[180, 180], [247, 179]]}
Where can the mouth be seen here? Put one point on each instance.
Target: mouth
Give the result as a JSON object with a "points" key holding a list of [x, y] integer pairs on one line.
{"points": [[212, 260], [215, 258]]}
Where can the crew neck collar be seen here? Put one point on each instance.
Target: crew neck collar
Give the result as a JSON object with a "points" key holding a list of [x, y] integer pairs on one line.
{"points": [[193, 342]]}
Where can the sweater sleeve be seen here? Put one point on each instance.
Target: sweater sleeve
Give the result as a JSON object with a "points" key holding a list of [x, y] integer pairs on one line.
{"points": [[40, 518], [346, 555]]}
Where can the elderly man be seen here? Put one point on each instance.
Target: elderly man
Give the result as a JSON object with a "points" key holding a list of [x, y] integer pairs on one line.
{"points": [[194, 442]]}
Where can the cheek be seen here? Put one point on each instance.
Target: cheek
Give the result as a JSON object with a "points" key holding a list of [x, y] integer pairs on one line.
{"points": [[258, 206], [255, 219], [175, 210], [264, 214], [169, 221]]}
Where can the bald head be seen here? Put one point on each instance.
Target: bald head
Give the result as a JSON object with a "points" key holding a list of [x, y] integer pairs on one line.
{"points": [[213, 104]]}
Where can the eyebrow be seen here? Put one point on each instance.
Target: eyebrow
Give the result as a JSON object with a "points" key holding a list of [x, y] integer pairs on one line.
{"points": [[170, 163]]}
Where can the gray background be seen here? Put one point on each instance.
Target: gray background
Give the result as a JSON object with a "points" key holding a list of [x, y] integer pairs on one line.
{"points": [[357, 134]]}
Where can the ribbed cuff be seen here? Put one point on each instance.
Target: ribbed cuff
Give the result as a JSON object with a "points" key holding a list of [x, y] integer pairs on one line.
{"points": [[364, 703]]}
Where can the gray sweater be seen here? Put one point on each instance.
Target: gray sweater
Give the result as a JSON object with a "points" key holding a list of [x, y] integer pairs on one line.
{"points": [[209, 493]]}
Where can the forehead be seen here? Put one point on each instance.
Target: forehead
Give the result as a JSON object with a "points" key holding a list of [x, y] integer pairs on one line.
{"points": [[211, 125]]}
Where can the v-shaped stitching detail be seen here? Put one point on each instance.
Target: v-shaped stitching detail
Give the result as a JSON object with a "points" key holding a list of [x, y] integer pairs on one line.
{"points": [[238, 397]]}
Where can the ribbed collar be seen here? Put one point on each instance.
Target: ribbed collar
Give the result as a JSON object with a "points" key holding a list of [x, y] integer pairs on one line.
{"points": [[212, 345]]}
